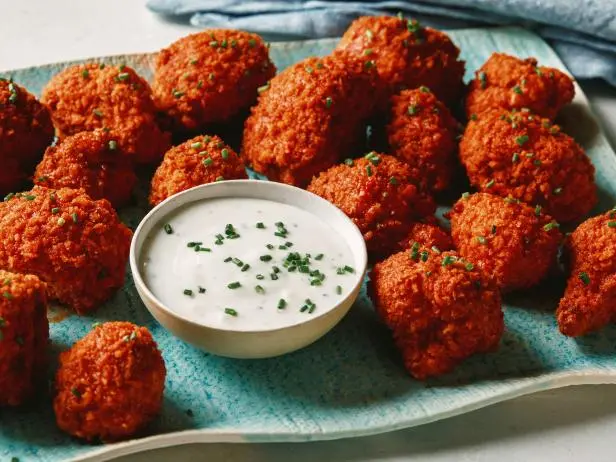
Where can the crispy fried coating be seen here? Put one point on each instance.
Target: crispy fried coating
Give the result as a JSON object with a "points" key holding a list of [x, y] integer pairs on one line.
{"points": [[210, 76], [201, 160], [78, 246], [110, 383], [90, 96], [506, 82], [379, 194], [422, 132], [521, 155], [441, 309], [429, 234], [407, 55], [312, 115], [24, 336], [25, 131], [92, 161], [508, 240], [589, 302]]}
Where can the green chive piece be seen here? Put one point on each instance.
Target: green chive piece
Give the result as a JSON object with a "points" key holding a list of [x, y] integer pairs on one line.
{"points": [[319, 257], [483, 80], [469, 266], [97, 112], [252, 43], [611, 224], [75, 218], [424, 89], [61, 221], [231, 312], [349, 269], [220, 178], [328, 102], [493, 229], [7, 295], [245, 267], [259, 289], [273, 276], [466, 195], [393, 181], [348, 162], [282, 303], [207, 161], [490, 183], [113, 145], [368, 170], [473, 117], [482, 240], [197, 145], [517, 90], [260, 225], [168, 229], [123, 76], [265, 258], [515, 157], [538, 210], [234, 285], [412, 109], [177, 93], [424, 255], [449, 260], [557, 191], [550, 226], [188, 292], [85, 73], [263, 88], [584, 278], [201, 290], [522, 140], [224, 154], [339, 290], [260, 277]]}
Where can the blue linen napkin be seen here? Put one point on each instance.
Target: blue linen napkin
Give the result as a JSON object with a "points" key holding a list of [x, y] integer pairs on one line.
{"points": [[583, 32]]}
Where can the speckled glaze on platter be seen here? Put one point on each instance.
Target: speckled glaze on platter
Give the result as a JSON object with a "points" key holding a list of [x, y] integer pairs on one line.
{"points": [[351, 382]]}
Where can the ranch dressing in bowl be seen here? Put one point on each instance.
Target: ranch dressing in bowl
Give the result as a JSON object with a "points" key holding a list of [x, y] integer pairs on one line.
{"points": [[246, 264]]}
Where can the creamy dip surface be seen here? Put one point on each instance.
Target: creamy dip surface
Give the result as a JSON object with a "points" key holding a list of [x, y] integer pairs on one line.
{"points": [[246, 264]]}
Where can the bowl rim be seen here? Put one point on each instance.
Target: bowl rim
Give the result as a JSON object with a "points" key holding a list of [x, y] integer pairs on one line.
{"points": [[173, 202]]}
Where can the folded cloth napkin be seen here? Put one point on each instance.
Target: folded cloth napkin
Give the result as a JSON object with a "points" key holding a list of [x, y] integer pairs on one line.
{"points": [[583, 32]]}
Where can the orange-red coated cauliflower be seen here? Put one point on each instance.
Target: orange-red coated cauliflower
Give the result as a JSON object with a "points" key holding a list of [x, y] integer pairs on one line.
{"points": [[521, 155], [589, 302], [201, 160], [440, 308], [429, 234], [76, 245], [312, 115], [422, 132], [24, 336], [25, 131], [90, 96], [92, 161], [505, 82], [110, 383], [509, 241], [210, 76], [407, 55], [378, 192]]}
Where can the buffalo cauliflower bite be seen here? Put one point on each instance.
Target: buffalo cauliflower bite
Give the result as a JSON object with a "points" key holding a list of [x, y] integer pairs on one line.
{"points": [[92, 161], [589, 302], [505, 82], [90, 96], [201, 160], [509, 241], [520, 155], [25, 131], [378, 192], [24, 335], [210, 76], [110, 384], [76, 245], [407, 55], [422, 132], [311, 115], [441, 308]]}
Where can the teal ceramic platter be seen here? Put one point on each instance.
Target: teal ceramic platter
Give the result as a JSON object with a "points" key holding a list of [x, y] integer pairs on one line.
{"points": [[351, 382]]}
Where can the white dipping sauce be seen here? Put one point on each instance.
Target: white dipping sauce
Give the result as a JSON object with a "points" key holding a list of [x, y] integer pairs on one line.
{"points": [[201, 286]]}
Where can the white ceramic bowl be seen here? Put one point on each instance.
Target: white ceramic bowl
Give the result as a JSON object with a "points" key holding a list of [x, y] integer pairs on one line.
{"points": [[258, 343]]}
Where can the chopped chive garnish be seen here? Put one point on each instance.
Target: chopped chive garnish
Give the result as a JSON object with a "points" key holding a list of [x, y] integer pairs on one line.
{"points": [[260, 225], [338, 290], [319, 257], [220, 178], [348, 269], [237, 261], [469, 266], [188, 292], [228, 259], [522, 140], [263, 88], [424, 255], [231, 312], [224, 154], [259, 289], [611, 224], [207, 161], [55, 210], [348, 162], [123, 76], [393, 180], [75, 218], [270, 246], [482, 80], [557, 191], [412, 109], [288, 244], [275, 269], [490, 183], [482, 240], [415, 251], [584, 278], [517, 90], [282, 303], [466, 195], [197, 145], [201, 290], [193, 244], [61, 221], [7, 295], [368, 170], [112, 145], [449, 260], [328, 102], [168, 229], [273, 276], [515, 157], [550, 226], [245, 267], [280, 233], [538, 210], [265, 258], [234, 285], [98, 113], [493, 229]]}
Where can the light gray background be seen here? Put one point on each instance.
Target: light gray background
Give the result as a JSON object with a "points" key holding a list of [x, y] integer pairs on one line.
{"points": [[571, 424]]}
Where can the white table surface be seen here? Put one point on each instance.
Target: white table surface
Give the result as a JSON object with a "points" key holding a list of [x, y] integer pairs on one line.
{"points": [[571, 424]]}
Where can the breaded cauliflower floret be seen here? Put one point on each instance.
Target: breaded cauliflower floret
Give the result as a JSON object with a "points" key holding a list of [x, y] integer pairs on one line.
{"points": [[25, 131], [520, 155], [589, 302], [379, 193], [422, 132], [312, 115], [407, 55], [209, 77], [201, 160], [110, 383], [24, 337], [509, 241], [90, 96], [505, 82], [440, 308], [76, 245], [93, 161]]}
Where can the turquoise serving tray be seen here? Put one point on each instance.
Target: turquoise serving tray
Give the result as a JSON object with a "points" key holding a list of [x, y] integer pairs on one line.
{"points": [[351, 382]]}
